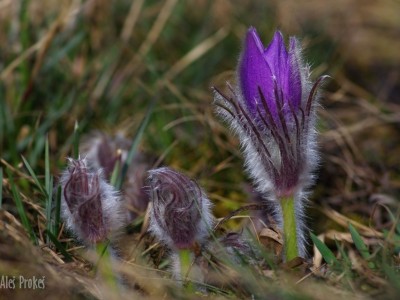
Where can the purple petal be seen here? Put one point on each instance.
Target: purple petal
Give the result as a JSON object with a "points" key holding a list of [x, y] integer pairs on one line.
{"points": [[254, 72], [293, 84], [277, 57]]}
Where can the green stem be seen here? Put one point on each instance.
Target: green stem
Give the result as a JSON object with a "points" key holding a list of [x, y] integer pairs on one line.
{"points": [[289, 228], [185, 264], [104, 267]]}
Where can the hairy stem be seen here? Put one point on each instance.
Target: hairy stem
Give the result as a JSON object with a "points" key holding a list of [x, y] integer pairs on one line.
{"points": [[289, 228]]}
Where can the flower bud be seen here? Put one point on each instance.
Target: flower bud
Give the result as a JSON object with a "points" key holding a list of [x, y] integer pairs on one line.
{"points": [[181, 212], [104, 151], [91, 207]]}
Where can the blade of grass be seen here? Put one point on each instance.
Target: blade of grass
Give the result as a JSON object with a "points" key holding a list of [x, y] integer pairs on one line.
{"points": [[326, 253], [393, 276], [47, 167], [20, 208], [2, 119], [343, 254], [345, 263], [71, 45], [49, 201], [135, 225], [59, 246], [48, 186], [32, 173], [358, 241], [1, 187], [36, 153], [52, 117], [8, 128], [135, 143], [394, 219], [101, 250], [76, 141], [360, 245], [115, 173], [57, 211]]}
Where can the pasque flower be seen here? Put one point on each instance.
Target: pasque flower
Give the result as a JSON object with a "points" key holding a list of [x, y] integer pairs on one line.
{"points": [[110, 152], [272, 110], [181, 212], [91, 207], [181, 218]]}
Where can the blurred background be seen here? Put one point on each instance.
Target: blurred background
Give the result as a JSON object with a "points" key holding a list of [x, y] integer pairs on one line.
{"points": [[101, 62]]}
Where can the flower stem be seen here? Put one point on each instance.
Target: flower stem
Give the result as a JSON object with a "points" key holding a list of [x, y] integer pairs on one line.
{"points": [[185, 264], [104, 267], [289, 228]]}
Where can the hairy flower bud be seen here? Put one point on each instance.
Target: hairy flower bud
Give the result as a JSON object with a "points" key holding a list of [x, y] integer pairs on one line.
{"points": [[105, 151], [91, 207], [181, 212]]}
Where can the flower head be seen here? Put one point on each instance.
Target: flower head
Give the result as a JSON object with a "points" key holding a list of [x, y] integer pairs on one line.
{"points": [[273, 112], [106, 151], [272, 73], [91, 207], [181, 212]]}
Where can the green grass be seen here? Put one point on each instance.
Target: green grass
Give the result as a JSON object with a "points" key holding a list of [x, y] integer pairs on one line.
{"points": [[66, 70], [135, 143], [1, 186], [326, 253], [21, 209]]}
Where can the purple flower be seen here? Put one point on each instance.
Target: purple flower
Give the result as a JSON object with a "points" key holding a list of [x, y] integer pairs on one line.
{"points": [[105, 151], [180, 214], [273, 72], [91, 207], [273, 112]]}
